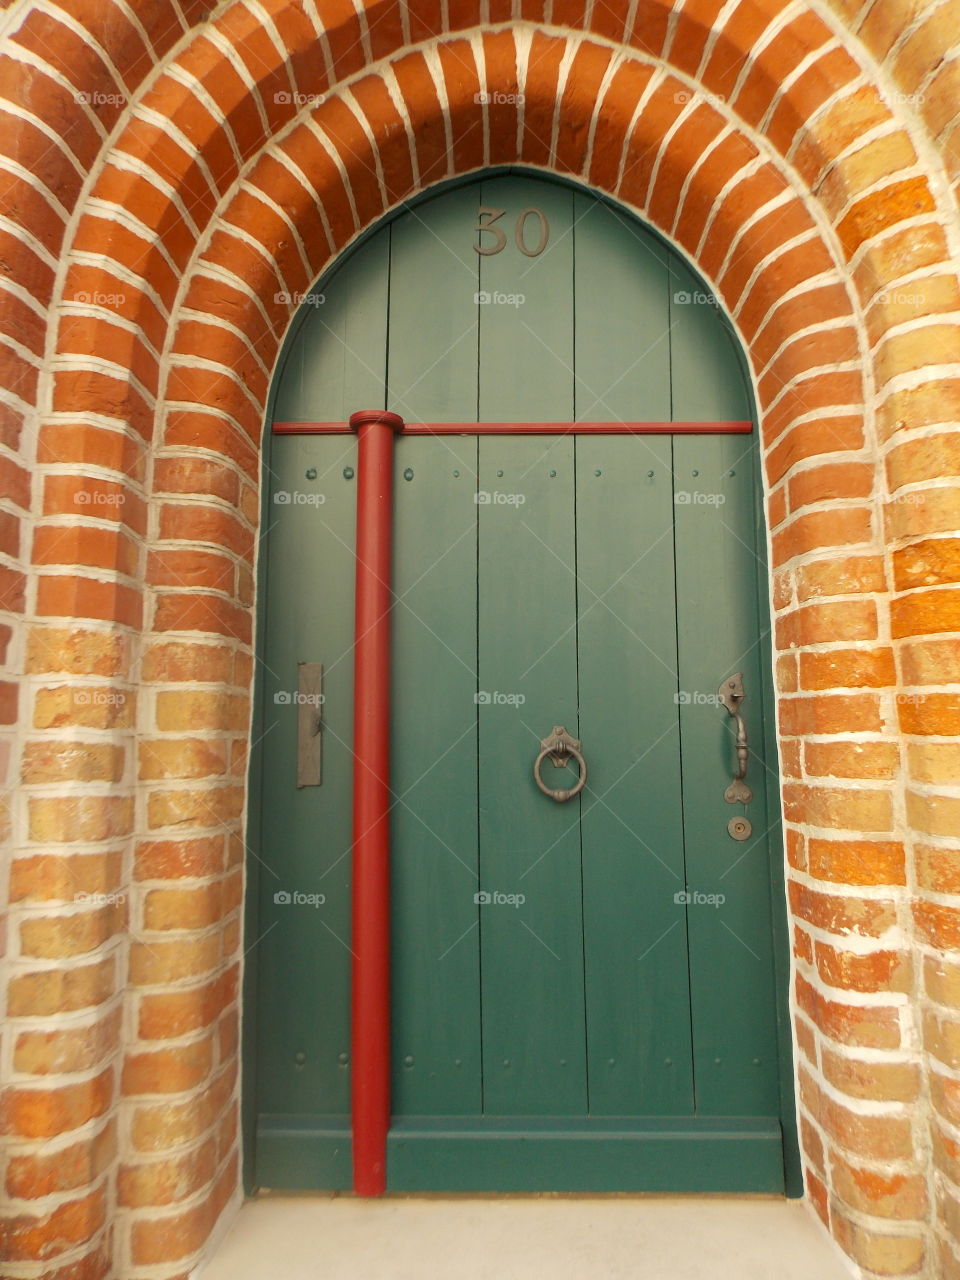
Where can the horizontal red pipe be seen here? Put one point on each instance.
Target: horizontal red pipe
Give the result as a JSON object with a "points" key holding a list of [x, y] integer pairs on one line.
{"points": [[528, 428], [370, 914]]}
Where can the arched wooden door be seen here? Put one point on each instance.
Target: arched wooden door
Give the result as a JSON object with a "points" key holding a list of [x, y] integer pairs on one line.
{"points": [[584, 993]]}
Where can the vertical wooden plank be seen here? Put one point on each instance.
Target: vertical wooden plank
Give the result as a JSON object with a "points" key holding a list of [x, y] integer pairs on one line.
{"points": [[337, 353], [621, 292], [432, 362], [707, 366], [526, 326], [531, 934], [637, 984], [731, 942], [304, 945], [436, 942]]}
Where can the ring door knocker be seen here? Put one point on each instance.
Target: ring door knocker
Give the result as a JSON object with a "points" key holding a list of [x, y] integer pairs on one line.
{"points": [[731, 695], [560, 747]]}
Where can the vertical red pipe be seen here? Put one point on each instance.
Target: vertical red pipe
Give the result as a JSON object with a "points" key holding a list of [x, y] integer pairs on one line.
{"points": [[370, 1030]]}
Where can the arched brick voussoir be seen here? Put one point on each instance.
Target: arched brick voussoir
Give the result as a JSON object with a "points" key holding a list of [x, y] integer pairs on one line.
{"points": [[578, 104], [809, 352], [701, 127], [94, 337], [661, 112], [252, 215], [461, 76], [217, 345]]}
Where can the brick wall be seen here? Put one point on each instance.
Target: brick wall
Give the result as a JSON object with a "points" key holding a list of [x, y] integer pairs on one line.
{"points": [[169, 170]]}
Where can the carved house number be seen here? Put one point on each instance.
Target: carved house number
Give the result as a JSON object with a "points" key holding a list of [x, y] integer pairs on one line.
{"points": [[487, 217]]}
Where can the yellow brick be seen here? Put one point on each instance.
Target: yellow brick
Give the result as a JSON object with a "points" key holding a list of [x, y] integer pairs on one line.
{"points": [[55, 877], [209, 807], [94, 653], [182, 758], [87, 706], [76, 761], [54, 937], [928, 344], [59, 819], [934, 761], [60, 990], [936, 815], [201, 709]]}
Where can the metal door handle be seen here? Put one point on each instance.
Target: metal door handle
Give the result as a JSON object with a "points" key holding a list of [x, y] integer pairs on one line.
{"points": [[731, 695], [560, 747]]}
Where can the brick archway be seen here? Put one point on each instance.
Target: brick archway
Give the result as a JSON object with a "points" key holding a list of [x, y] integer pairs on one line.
{"points": [[815, 211]]}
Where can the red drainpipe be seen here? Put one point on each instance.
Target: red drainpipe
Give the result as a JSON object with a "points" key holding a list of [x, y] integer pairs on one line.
{"points": [[370, 1030]]}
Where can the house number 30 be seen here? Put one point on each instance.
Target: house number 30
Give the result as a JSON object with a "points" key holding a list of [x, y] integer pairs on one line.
{"points": [[487, 217]]}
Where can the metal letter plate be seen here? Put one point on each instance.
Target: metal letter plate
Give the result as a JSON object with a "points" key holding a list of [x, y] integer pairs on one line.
{"points": [[309, 721]]}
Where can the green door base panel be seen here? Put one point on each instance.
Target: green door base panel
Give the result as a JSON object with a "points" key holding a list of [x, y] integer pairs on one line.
{"points": [[304, 1153], [550, 1153], [531, 1153]]}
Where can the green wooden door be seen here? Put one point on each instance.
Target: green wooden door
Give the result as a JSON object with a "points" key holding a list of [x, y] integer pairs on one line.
{"points": [[585, 995]]}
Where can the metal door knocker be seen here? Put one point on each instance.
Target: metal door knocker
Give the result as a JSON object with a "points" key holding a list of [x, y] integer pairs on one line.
{"points": [[560, 747]]}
